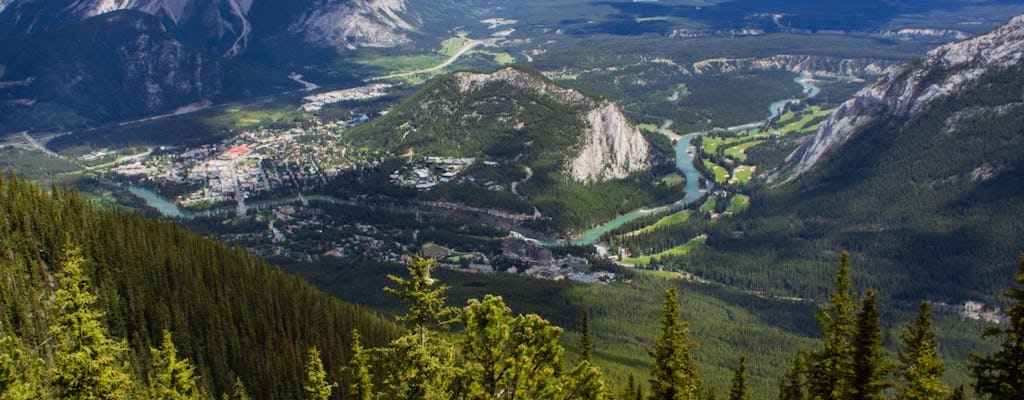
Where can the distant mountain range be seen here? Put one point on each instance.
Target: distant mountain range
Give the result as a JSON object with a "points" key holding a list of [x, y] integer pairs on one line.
{"points": [[229, 27]]}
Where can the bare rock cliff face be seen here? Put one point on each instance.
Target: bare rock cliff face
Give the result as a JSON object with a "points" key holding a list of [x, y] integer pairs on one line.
{"points": [[353, 24], [905, 90], [612, 147]]}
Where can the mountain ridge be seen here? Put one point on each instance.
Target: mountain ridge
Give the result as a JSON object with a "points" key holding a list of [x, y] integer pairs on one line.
{"points": [[905, 90]]}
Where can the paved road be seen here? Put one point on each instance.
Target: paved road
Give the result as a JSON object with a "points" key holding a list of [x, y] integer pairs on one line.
{"points": [[469, 45]]}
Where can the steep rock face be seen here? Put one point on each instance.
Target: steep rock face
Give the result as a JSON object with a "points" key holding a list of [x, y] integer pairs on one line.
{"points": [[352, 24], [227, 26], [612, 147], [118, 65], [219, 25], [907, 90]]}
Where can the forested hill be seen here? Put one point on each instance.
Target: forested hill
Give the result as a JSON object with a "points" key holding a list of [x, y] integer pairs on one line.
{"points": [[231, 313], [921, 177]]}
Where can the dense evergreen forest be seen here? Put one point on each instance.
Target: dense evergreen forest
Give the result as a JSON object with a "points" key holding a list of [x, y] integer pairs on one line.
{"points": [[232, 314]]}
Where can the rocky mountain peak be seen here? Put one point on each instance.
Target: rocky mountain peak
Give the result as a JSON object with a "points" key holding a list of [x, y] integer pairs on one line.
{"points": [[905, 90]]}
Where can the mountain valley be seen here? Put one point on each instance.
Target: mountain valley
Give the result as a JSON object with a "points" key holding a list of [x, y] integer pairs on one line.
{"points": [[577, 158]]}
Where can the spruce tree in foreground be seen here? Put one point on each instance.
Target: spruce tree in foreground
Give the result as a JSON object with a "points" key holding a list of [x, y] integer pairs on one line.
{"points": [[87, 364], [920, 367], [19, 371], [739, 390], [421, 360], [358, 370], [674, 373], [791, 386], [171, 378], [870, 365], [316, 386], [829, 370], [1001, 374]]}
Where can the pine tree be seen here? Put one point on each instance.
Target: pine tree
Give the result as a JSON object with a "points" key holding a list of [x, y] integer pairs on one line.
{"points": [[171, 378], [508, 356], [316, 386], [584, 381], [791, 386], [586, 342], [870, 361], [19, 372], [1001, 374], [920, 367], [829, 370], [87, 363], [238, 391], [421, 359], [739, 390], [674, 373], [361, 386]]}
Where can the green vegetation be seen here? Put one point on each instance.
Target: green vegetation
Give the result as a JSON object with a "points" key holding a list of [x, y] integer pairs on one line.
{"points": [[675, 251], [709, 205], [721, 174], [909, 204], [999, 374], [132, 279], [737, 204], [742, 174], [736, 152]]}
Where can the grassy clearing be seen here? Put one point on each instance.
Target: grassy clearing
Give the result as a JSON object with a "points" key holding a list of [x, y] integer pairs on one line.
{"points": [[647, 127], [802, 124], [738, 204], [709, 205], [742, 174], [400, 64], [737, 152], [675, 251], [243, 118], [721, 174], [709, 144], [672, 219], [673, 179]]}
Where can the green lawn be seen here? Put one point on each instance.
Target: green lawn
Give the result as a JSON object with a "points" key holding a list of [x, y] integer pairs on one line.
{"points": [[739, 203], [647, 127], [721, 174], [675, 251], [742, 174], [673, 179], [737, 152], [801, 124], [709, 205], [676, 218]]}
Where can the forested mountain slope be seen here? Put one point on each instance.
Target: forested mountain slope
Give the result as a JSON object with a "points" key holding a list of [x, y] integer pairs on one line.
{"points": [[920, 177], [230, 313]]}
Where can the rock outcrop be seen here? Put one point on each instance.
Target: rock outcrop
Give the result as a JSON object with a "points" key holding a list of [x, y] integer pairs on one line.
{"points": [[612, 147], [908, 89], [814, 65]]}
